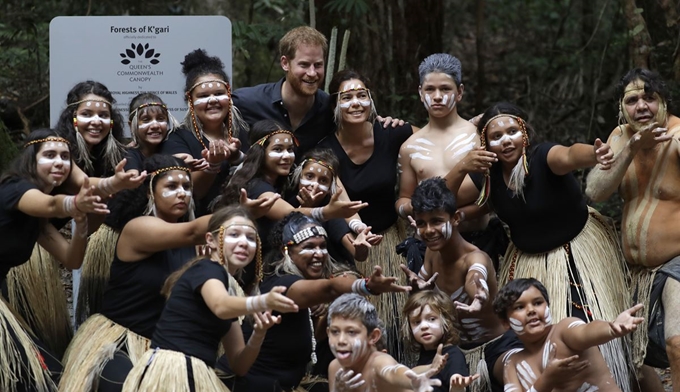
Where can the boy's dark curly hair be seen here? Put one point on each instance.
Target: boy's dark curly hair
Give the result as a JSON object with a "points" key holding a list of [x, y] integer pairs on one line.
{"points": [[509, 294], [432, 195]]}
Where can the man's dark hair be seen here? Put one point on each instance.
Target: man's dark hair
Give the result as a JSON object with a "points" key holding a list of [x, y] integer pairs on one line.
{"points": [[432, 195], [508, 295], [652, 80]]}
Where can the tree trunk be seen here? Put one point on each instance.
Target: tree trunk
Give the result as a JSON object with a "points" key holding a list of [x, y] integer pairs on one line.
{"points": [[640, 42], [481, 52]]}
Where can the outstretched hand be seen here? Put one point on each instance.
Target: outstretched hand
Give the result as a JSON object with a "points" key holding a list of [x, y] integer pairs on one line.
{"points": [[416, 282], [310, 198], [275, 300], [378, 284], [423, 382], [559, 369], [264, 321], [342, 209], [481, 296], [364, 241], [477, 160], [439, 360], [649, 136], [458, 382], [346, 380], [86, 202], [604, 154], [626, 322], [257, 207], [130, 179]]}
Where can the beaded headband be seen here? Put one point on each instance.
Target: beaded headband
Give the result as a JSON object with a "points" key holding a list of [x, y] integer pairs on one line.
{"points": [[170, 168], [320, 162], [146, 105], [48, 139], [89, 100], [264, 139], [206, 82], [306, 233], [352, 89]]}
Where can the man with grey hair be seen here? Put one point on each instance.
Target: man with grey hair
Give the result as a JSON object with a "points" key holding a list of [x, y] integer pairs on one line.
{"points": [[441, 144]]}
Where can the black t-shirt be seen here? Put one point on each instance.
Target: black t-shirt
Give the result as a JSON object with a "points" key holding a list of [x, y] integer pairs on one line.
{"points": [[18, 231], [187, 324], [286, 349], [375, 180], [183, 141], [255, 188], [554, 212], [135, 159], [455, 364], [133, 295], [264, 102]]}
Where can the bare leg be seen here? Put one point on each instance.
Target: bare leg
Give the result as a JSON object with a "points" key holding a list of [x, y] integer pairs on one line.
{"points": [[649, 381], [671, 304]]}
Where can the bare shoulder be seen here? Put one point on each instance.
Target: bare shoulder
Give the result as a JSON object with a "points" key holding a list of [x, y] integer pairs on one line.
{"points": [[410, 143], [618, 137], [512, 357], [478, 256]]}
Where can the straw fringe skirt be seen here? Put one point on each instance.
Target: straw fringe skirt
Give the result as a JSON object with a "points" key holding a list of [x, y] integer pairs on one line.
{"points": [[101, 249], [600, 265], [12, 366], [93, 346], [37, 293], [390, 305], [166, 370], [475, 360], [642, 279]]}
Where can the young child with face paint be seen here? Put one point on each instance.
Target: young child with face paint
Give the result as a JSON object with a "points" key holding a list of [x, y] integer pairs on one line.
{"points": [[466, 275], [354, 329], [556, 357], [25, 207], [312, 183], [430, 331], [200, 313], [263, 176]]}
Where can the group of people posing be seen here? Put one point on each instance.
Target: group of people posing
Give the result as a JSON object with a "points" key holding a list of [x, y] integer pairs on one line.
{"points": [[253, 245]]}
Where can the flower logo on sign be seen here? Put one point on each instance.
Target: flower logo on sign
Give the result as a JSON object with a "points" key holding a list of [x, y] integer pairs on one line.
{"points": [[141, 52]]}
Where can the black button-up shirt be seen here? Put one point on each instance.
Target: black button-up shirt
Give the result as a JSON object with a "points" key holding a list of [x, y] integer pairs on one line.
{"points": [[264, 101]]}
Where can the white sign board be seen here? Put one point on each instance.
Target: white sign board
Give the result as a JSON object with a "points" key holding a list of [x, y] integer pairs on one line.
{"points": [[131, 55]]}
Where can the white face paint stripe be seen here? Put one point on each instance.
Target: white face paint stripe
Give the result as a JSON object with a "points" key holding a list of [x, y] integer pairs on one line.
{"points": [[526, 375], [204, 100], [504, 138], [465, 149], [313, 251], [546, 354], [88, 119], [516, 326], [242, 237], [355, 101], [417, 147], [304, 182], [154, 122], [52, 161], [457, 142], [424, 141], [284, 154], [174, 192], [547, 316], [447, 230]]}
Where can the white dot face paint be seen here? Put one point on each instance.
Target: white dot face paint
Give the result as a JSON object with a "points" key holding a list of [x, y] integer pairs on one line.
{"points": [[505, 138], [516, 326], [84, 119], [222, 99]]}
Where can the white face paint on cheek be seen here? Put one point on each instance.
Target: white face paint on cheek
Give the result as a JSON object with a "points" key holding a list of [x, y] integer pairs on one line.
{"points": [[358, 349], [220, 98], [547, 316], [154, 122], [172, 193], [516, 326], [504, 138], [86, 120], [235, 240], [447, 230], [428, 102]]}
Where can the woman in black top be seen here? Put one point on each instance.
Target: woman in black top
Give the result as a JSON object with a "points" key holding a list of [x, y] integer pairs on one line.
{"points": [[207, 131], [368, 170], [556, 237], [304, 269], [157, 237], [200, 311], [25, 206]]}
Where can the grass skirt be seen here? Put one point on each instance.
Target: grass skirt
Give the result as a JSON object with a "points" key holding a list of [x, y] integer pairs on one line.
{"points": [[15, 339], [603, 289], [167, 370], [101, 249], [93, 346], [36, 285], [390, 305]]}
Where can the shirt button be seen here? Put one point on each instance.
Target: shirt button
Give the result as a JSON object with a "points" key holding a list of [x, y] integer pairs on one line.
{"points": [[285, 115]]}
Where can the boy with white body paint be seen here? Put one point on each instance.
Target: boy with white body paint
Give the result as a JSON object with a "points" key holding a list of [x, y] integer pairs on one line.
{"points": [[466, 275], [353, 331], [570, 346], [447, 137]]}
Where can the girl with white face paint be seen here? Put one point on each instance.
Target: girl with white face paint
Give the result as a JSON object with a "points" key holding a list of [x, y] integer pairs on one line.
{"points": [[192, 325], [301, 264], [533, 190], [263, 178], [93, 125], [157, 237], [430, 331], [367, 155], [25, 208]]}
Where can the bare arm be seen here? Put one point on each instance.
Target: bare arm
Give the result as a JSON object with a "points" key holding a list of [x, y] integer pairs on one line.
{"points": [[147, 235], [69, 254], [562, 160], [242, 355], [408, 180], [226, 306], [36, 203], [602, 183], [580, 336]]}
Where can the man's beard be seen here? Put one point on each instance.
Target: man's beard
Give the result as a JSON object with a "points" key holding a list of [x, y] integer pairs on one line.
{"points": [[301, 87]]}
